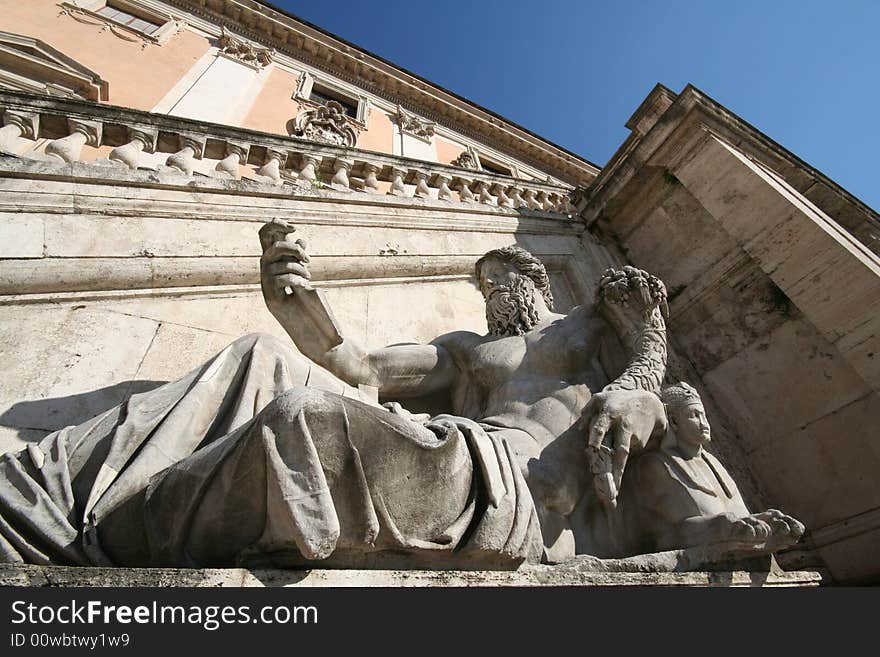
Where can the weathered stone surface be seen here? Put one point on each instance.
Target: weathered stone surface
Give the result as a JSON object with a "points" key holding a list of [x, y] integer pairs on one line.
{"points": [[716, 199], [680, 496], [83, 236], [21, 236], [176, 349], [811, 453], [93, 357], [61, 576], [773, 386]]}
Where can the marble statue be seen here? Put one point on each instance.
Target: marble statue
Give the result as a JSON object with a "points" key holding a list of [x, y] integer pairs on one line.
{"points": [[278, 456]]}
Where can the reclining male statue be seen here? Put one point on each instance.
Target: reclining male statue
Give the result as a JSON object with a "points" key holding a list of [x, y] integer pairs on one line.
{"points": [[261, 456]]}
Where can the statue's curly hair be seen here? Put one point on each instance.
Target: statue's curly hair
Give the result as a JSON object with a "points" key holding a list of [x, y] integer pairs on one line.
{"points": [[527, 264]]}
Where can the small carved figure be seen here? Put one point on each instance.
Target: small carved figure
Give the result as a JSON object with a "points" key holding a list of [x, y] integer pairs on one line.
{"points": [[683, 497]]}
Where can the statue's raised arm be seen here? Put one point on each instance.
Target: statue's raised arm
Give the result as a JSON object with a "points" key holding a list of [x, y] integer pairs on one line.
{"points": [[628, 413], [304, 313]]}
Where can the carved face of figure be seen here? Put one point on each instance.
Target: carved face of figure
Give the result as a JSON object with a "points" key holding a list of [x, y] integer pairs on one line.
{"points": [[495, 272], [690, 424], [510, 298]]}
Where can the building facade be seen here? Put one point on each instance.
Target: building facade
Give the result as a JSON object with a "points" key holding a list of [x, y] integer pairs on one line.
{"points": [[146, 141]]}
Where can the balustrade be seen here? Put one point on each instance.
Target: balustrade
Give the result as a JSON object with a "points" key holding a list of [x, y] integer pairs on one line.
{"points": [[191, 146]]}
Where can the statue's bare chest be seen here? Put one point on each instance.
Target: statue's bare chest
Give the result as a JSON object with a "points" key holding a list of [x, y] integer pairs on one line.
{"points": [[554, 350]]}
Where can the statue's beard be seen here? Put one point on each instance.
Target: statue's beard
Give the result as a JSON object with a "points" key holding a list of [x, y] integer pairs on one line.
{"points": [[510, 309]]}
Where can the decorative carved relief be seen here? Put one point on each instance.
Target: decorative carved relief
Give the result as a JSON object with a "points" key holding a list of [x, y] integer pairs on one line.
{"points": [[326, 124], [411, 124], [467, 160], [245, 51]]}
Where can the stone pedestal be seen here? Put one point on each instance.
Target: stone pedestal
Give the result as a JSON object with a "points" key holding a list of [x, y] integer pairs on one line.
{"points": [[541, 576]]}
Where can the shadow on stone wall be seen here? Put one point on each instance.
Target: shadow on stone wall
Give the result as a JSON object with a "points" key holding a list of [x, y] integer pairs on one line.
{"points": [[53, 413]]}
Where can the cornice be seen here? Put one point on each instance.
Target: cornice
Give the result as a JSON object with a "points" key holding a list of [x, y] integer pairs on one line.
{"points": [[663, 113], [302, 41]]}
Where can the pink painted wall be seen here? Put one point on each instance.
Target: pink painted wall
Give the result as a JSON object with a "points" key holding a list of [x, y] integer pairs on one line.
{"points": [[138, 77], [274, 105]]}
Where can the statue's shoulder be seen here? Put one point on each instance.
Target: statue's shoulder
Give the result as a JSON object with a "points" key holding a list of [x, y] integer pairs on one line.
{"points": [[457, 340], [655, 465], [585, 316]]}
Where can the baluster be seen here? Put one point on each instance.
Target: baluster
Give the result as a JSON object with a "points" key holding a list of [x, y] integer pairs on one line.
{"points": [[81, 133], [503, 199], [140, 139], [441, 181], [191, 149], [397, 188], [235, 153], [544, 200], [340, 180], [485, 196], [516, 199], [464, 190], [422, 189], [18, 124], [271, 167], [531, 201], [371, 180], [307, 172]]}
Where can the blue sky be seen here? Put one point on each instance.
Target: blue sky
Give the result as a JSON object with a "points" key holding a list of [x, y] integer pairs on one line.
{"points": [[806, 73]]}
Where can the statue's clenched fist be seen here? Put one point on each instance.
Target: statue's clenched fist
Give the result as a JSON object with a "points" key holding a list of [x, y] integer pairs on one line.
{"points": [[283, 266]]}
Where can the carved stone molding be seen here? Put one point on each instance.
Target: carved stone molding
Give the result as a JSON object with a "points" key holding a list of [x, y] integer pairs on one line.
{"points": [[86, 15], [139, 140], [307, 83], [244, 51], [415, 126], [34, 66], [28, 123], [326, 124]]}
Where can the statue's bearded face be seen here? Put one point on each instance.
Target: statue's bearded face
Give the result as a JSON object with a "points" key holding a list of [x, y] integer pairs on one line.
{"points": [[510, 299]]}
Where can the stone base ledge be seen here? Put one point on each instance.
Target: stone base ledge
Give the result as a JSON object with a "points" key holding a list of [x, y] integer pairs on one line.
{"points": [[530, 576]]}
